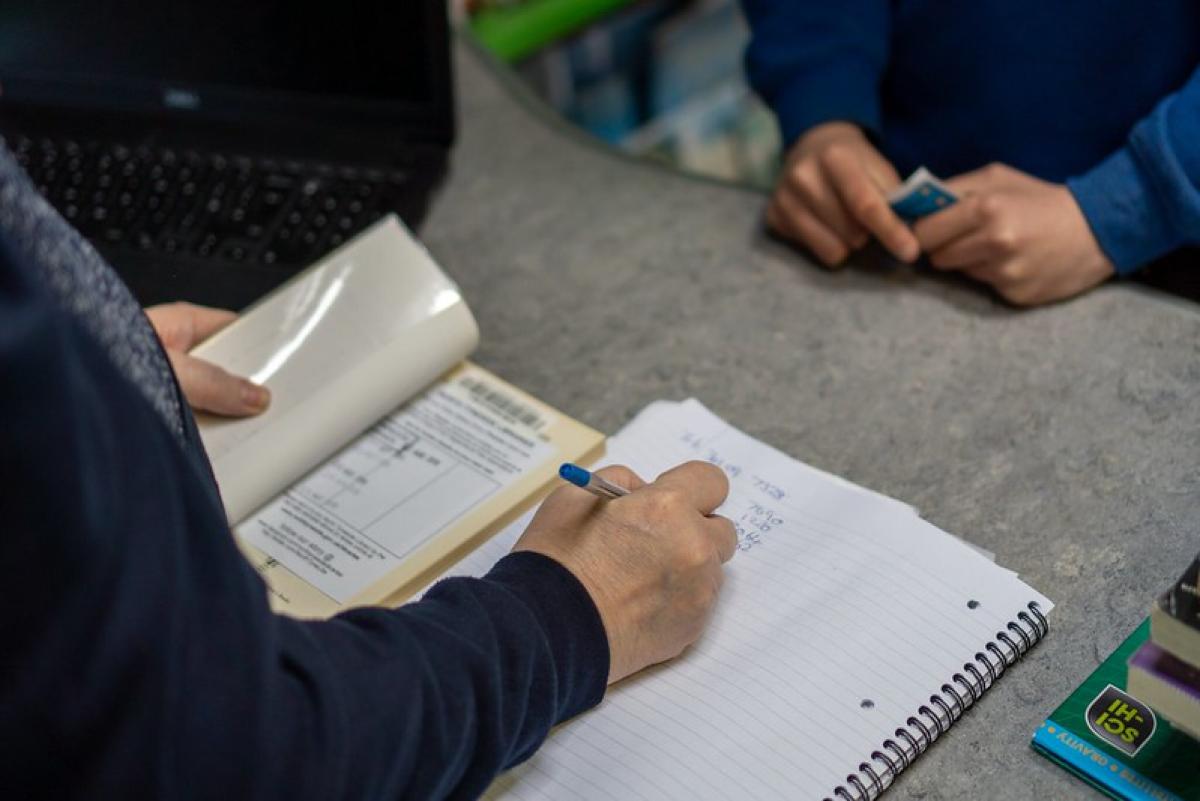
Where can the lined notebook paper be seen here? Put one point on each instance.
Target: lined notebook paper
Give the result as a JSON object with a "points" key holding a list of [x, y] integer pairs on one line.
{"points": [[849, 635]]}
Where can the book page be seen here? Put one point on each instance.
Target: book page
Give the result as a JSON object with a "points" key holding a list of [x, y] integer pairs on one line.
{"points": [[359, 515], [410, 495], [339, 346], [842, 613]]}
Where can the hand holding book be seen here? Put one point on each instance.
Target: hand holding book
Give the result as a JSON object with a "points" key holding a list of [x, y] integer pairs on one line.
{"points": [[382, 454], [207, 387]]}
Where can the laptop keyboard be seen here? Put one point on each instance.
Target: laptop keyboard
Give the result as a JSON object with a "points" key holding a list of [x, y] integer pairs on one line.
{"points": [[211, 206]]}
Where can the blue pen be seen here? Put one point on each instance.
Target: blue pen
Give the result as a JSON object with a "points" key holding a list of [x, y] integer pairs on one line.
{"points": [[591, 482]]}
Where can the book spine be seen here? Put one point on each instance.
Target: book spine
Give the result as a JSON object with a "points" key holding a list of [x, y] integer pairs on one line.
{"points": [[934, 719]]}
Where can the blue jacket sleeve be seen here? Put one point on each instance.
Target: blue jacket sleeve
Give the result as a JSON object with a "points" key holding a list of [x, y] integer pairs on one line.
{"points": [[138, 655], [815, 61], [1144, 200]]}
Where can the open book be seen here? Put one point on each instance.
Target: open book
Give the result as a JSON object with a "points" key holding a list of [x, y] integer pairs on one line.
{"points": [[384, 457]]}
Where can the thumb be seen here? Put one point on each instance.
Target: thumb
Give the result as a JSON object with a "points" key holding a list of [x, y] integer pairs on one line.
{"points": [[704, 484], [963, 185], [984, 179], [209, 388], [622, 476]]}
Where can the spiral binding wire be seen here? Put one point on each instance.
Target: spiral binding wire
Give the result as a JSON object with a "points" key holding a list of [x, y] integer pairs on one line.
{"points": [[932, 720]]}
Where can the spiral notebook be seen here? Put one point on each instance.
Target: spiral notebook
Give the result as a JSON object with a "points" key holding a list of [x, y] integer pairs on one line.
{"points": [[850, 635]]}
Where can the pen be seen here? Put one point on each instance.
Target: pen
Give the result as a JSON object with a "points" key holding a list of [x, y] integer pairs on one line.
{"points": [[591, 482]]}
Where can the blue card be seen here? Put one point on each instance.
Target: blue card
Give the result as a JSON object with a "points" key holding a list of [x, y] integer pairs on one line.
{"points": [[921, 195]]}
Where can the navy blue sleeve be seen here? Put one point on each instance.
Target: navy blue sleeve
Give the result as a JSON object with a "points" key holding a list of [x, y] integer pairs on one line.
{"points": [[1144, 200], [816, 61], [139, 657]]}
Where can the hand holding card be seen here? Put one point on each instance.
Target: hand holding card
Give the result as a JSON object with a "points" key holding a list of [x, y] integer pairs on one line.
{"points": [[1025, 237], [831, 196]]}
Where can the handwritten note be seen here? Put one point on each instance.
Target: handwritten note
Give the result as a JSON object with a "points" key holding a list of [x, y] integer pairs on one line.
{"points": [[842, 613]]}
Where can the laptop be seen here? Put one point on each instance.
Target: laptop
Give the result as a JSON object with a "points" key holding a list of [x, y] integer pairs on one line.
{"points": [[210, 149]]}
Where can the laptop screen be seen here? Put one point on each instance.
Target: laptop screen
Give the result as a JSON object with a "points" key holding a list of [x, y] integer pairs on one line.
{"points": [[382, 61]]}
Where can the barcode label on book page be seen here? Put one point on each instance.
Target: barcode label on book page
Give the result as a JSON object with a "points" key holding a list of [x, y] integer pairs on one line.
{"points": [[504, 404]]}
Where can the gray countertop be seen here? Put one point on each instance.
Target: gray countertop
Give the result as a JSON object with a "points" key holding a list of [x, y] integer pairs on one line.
{"points": [[1064, 439]]}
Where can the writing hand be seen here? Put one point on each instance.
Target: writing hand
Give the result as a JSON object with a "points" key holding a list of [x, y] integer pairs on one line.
{"points": [[207, 387], [1024, 237], [831, 196], [650, 560]]}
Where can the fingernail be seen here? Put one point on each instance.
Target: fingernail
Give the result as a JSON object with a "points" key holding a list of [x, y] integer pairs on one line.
{"points": [[254, 396]]}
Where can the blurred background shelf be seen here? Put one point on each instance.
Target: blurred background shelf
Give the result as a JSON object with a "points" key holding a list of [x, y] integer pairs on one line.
{"points": [[661, 79]]}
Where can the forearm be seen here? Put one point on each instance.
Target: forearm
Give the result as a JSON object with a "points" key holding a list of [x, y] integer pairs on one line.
{"points": [[814, 62], [434, 699], [198, 697], [1144, 200]]}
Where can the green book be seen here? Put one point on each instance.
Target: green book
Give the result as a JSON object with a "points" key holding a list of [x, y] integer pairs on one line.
{"points": [[1115, 742], [515, 31]]}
